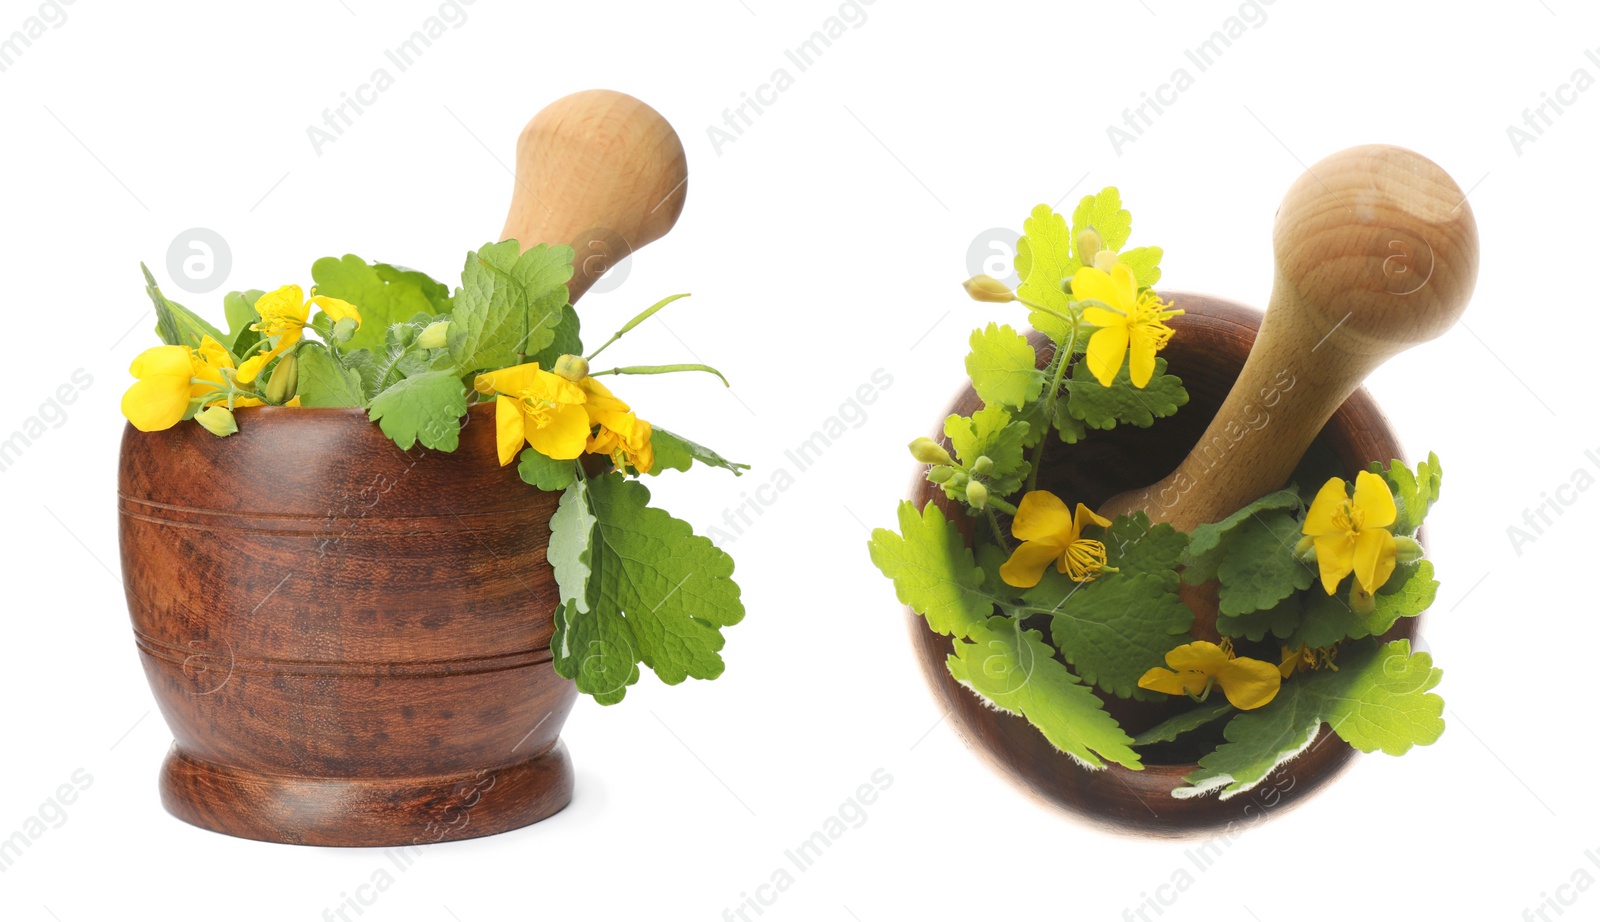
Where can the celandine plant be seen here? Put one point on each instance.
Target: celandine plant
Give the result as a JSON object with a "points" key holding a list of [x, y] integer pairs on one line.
{"points": [[1054, 607], [637, 585]]}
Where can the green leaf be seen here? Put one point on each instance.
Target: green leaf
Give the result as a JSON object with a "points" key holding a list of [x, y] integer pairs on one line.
{"points": [[1044, 260], [993, 433], [426, 408], [1207, 542], [571, 543], [1002, 367], [239, 307], [1259, 568], [509, 304], [1329, 619], [1280, 620], [566, 340], [1103, 407], [325, 381], [1414, 493], [176, 324], [544, 473], [599, 653], [656, 591], [1015, 671], [1070, 428], [676, 453], [1102, 211], [933, 570], [1145, 263], [1133, 545], [384, 294], [1192, 719], [1114, 628], [1378, 699]]}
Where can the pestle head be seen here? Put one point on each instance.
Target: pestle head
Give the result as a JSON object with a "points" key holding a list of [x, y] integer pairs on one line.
{"points": [[1376, 249], [600, 171]]}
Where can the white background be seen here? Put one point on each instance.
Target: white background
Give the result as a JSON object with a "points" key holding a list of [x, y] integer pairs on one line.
{"points": [[825, 243]]}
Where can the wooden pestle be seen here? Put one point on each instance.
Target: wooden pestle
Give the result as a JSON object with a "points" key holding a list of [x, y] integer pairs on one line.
{"points": [[1376, 250], [598, 170]]}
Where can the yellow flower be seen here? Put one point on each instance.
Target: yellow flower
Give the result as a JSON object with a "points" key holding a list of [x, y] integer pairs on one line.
{"points": [[534, 406], [1130, 322], [622, 435], [1049, 533], [1196, 667], [283, 316], [1307, 658], [1351, 534], [171, 377]]}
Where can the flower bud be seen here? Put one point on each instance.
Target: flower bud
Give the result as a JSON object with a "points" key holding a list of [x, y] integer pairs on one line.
{"points": [[1306, 549], [218, 421], [433, 335], [1105, 261], [988, 288], [285, 380], [572, 367], [982, 466], [977, 495], [1407, 550], [344, 329], [941, 474], [1088, 243], [1361, 602], [928, 451]]}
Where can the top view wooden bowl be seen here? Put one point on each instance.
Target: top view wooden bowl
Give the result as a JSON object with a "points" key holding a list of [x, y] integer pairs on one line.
{"points": [[1375, 250]]}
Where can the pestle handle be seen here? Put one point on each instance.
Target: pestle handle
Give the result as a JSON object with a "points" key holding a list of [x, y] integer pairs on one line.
{"points": [[1376, 250], [598, 170]]}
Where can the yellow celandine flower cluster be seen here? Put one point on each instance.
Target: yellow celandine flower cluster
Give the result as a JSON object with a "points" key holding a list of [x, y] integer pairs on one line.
{"points": [[175, 382], [554, 414]]}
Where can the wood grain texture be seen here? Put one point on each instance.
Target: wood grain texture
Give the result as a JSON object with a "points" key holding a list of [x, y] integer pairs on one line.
{"points": [[1211, 345], [601, 171], [345, 638], [1376, 250]]}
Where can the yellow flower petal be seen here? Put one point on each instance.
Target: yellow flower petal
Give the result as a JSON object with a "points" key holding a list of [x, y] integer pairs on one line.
{"points": [[1100, 317], [1042, 516], [156, 402], [1171, 683], [1374, 500], [1374, 557], [1124, 284], [1083, 516], [564, 434], [251, 367], [1142, 346], [336, 309], [1199, 656], [1104, 355], [1249, 683], [508, 428], [162, 361], [286, 305], [1090, 284], [1028, 563], [1329, 500], [1335, 558]]}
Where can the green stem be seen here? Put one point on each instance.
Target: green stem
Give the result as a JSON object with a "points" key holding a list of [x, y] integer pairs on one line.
{"points": [[1064, 358], [644, 315], [999, 536], [658, 370], [1002, 505]]}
